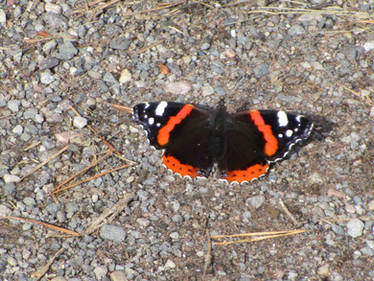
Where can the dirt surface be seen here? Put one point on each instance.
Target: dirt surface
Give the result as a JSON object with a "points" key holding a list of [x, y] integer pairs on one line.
{"points": [[67, 58]]}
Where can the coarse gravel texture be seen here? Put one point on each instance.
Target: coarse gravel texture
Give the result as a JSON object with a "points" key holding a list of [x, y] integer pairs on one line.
{"points": [[58, 54]]}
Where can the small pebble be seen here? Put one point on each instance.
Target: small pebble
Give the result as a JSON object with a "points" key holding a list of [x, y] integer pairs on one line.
{"points": [[292, 275], [207, 90], [29, 201], [30, 114], [3, 102], [79, 122], [118, 275], [112, 232], [52, 8], [368, 46], [372, 112], [205, 46], [94, 74], [324, 270], [178, 88], [13, 105], [100, 272], [11, 178], [4, 210], [125, 76], [261, 70], [315, 178], [229, 53], [256, 201], [46, 78], [143, 222], [2, 16], [130, 272], [12, 261], [47, 63], [38, 118], [371, 205], [120, 43], [355, 228], [174, 235], [296, 29], [130, 179], [169, 265], [18, 130], [66, 51]]}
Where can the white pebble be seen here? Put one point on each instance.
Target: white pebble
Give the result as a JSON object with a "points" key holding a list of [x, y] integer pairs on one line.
{"points": [[118, 275], [169, 265], [207, 90], [2, 16], [369, 45], [11, 178], [100, 272], [17, 130], [46, 78], [178, 88], [355, 228], [79, 122], [13, 105], [371, 205], [4, 211], [125, 76], [324, 270], [52, 8], [174, 235]]}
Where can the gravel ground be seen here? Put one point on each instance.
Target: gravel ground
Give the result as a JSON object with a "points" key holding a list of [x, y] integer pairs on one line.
{"points": [[85, 55]]}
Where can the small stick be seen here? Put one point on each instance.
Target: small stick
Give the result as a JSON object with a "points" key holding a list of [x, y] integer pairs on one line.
{"points": [[45, 162], [93, 177], [208, 256], [43, 270], [112, 212], [122, 108], [45, 224], [288, 213], [258, 238], [58, 188]]}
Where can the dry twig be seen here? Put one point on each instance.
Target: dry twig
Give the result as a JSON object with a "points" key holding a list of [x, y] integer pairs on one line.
{"points": [[109, 214], [288, 213], [44, 224], [45, 161], [257, 236], [208, 256]]}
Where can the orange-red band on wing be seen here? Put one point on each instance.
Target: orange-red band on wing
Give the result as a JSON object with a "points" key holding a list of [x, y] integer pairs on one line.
{"points": [[271, 142], [249, 174], [177, 167], [164, 132]]}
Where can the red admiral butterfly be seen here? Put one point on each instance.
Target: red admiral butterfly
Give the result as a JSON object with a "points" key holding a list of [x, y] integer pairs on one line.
{"points": [[242, 144]]}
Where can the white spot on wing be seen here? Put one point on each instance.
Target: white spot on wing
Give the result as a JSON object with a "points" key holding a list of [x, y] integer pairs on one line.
{"points": [[282, 118], [158, 124], [151, 121], [280, 136], [289, 133], [160, 109], [146, 105]]}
